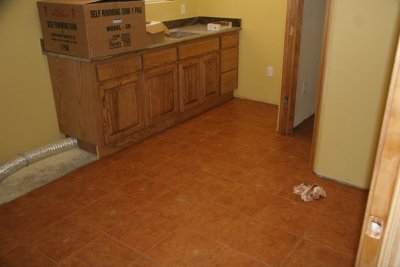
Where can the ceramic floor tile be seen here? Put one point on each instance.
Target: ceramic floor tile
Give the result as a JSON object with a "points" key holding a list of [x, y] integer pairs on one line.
{"points": [[110, 178], [101, 252], [145, 262], [63, 239], [140, 163], [264, 242], [206, 186], [348, 204], [32, 221], [217, 223], [7, 242], [143, 229], [106, 212], [246, 199], [142, 190], [209, 172], [75, 195], [336, 232], [184, 248], [178, 206], [23, 256], [288, 215], [172, 172], [313, 255], [229, 257]]}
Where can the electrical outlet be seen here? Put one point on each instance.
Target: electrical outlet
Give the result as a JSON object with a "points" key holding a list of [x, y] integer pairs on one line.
{"points": [[270, 71], [183, 9]]}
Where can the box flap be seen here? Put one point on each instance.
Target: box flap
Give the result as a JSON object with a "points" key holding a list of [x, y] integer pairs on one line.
{"points": [[154, 26]]}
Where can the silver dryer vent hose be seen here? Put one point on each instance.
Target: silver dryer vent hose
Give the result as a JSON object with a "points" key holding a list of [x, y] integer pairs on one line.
{"points": [[30, 157]]}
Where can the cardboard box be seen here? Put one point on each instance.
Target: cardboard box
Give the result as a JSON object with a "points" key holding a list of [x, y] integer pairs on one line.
{"points": [[155, 31], [219, 25], [92, 28]]}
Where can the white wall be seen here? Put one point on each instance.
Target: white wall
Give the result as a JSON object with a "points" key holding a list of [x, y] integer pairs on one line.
{"points": [[310, 57]]}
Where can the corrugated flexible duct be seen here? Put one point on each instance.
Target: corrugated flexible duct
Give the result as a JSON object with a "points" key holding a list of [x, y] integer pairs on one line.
{"points": [[30, 157]]}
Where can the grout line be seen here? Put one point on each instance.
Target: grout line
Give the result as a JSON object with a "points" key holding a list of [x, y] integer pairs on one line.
{"points": [[331, 248], [286, 258]]}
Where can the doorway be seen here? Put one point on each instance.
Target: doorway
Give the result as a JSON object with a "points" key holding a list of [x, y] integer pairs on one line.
{"points": [[303, 66]]}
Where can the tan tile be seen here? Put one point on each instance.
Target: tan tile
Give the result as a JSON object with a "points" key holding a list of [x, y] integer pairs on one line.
{"points": [[106, 212], [246, 199], [172, 172], [288, 215], [313, 255], [7, 242], [145, 262], [29, 222], [24, 256], [74, 195], [143, 229], [110, 178], [218, 223], [103, 251], [141, 162], [142, 190], [335, 232], [264, 242], [206, 186], [348, 203], [63, 239], [184, 248], [178, 206], [229, 257], [264, 178]]}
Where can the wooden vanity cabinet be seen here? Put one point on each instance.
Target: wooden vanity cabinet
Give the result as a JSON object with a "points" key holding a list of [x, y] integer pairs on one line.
{"points": [[122, 107], [161, 84], [198, 72], [111, 103], [229, 62]]}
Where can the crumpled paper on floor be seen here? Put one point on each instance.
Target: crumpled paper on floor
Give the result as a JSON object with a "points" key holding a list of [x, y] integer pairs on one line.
{"points": [[309, 192]]}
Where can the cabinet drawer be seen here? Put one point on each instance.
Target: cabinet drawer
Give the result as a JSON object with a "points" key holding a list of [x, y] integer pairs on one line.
{"points": [[198, 48], [229, 81], [229, 59], [159, 58], [118, 67], [229, 41]]}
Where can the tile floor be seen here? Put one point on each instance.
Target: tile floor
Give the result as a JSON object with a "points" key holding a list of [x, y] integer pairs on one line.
{"points": [[214, 191]]}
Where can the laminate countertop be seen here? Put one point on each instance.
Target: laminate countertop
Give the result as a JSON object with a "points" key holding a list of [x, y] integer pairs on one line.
{"points": [[198, 30]]}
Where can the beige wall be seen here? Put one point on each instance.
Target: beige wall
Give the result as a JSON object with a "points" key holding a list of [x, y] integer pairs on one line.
{"points": [[310, 59], [261, 43], [171, 10], [27, 111], [359, 61]]}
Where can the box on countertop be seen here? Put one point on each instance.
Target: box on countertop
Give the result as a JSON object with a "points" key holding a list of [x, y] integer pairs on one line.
{"points": [[92, 28], [219, 25], [155, 31]]}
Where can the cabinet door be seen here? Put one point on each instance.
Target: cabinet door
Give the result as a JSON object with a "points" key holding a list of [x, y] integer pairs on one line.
{"points": [[190, 84], [162, 93], [210, 76], [123, 107]]}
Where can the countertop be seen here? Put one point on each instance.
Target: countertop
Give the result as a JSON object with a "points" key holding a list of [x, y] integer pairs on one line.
{"points": [[200, 30]]}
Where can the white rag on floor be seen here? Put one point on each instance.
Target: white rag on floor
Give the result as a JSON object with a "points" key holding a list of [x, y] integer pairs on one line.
{"points": [[309, 192]]}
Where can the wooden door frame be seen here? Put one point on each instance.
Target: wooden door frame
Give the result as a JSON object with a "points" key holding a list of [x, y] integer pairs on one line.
{"points": [[291, 57], [294, 19], [384, 196]]}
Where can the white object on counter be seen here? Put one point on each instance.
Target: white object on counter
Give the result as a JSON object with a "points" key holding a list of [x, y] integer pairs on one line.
{"points": [[219, 25]]}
